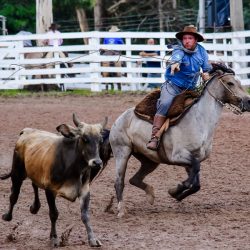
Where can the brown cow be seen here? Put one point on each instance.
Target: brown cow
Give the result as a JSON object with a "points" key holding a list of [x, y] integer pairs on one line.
{"points": [[62, 165]]}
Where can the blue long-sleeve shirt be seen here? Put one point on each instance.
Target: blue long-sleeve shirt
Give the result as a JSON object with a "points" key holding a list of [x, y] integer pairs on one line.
{"points": [[112, 40], [190, 64]]}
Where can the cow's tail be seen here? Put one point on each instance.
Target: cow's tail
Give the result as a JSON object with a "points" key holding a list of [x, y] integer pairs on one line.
{"points": [[5, 176]]}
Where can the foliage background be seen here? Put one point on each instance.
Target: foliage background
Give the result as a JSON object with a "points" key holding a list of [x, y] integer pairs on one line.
{"points": [[131, 15]]}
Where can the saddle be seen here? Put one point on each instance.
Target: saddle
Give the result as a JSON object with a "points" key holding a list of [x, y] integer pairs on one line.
{"points": [[146, 108]]}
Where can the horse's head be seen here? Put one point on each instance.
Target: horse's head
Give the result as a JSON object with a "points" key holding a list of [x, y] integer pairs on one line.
{"points": [[232, 91]]}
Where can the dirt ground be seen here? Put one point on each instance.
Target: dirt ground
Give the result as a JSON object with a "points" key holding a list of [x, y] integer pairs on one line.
{"points": [[217, 217]]}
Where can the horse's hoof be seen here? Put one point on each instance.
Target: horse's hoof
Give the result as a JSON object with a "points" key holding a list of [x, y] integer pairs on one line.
{"points": [[150, 194], [7, 217], [120, 215], [95, 243], [121, 210], [173, 192]]}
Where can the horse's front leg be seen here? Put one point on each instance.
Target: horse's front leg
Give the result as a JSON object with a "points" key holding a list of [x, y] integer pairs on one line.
{"points": [[191, 185], [121, 160], [84, 204], [121, 166]]}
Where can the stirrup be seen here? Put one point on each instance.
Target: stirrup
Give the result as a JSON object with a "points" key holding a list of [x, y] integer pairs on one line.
{"points": [[155, 140]]}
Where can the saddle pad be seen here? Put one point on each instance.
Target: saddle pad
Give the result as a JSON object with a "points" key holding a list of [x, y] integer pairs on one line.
{"points": [[146, 108]]}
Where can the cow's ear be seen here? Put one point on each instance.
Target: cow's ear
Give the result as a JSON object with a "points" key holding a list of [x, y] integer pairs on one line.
{"points": [[67, 131]]}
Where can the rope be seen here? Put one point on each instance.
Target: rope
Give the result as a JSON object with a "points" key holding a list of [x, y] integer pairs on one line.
{"points": [[44, 65], [232, 108]]}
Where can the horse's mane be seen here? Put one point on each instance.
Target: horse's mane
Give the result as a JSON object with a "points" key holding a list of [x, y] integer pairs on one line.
{"points": [[221, 66]]}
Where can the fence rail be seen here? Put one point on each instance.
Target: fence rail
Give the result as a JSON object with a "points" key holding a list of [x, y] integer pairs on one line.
{"points": [[17, 70]]}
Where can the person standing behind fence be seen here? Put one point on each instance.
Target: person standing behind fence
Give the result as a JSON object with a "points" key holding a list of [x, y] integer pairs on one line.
{"points": [[152, 64], [112, 52], [53, 30], [26, 43]]}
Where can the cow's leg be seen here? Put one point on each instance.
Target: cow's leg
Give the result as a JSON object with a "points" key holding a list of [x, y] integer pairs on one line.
{"points": [[190, 185], [15, 190], [34, 208], [121, 154], [147, 167], [53, 215], [17, 177], [84, 205]]}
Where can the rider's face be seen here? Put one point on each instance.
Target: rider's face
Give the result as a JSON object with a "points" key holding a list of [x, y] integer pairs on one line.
{"points": [[189, 41]]}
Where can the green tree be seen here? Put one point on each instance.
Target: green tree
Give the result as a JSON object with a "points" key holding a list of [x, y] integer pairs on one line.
{"points": [[19, 15]]}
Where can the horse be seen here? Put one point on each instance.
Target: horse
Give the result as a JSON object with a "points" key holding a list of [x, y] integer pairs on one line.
{"points": [[185, 144]]}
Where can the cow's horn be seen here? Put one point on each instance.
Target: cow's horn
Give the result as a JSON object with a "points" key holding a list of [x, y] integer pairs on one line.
{"points": [[75, 120], [105, 122]]}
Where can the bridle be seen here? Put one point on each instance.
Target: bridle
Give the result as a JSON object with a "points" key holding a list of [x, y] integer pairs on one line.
{"points": [[234, 109]]}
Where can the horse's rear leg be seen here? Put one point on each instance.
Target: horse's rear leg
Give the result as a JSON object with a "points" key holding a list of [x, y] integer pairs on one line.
{"points": [[34, 208], [191, 185], [147, 167], [121, 155], [17, 177]]}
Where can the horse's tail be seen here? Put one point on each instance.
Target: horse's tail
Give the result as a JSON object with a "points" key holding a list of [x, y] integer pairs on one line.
{"points": [[5, 176]]}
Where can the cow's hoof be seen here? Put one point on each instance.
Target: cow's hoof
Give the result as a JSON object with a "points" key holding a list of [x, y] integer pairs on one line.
{"points": [[54, 242], [95, 243], [35, 208], [7, 217]]}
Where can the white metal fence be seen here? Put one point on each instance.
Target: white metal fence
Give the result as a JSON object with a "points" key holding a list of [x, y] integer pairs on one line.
{"points": [[232, 48]]}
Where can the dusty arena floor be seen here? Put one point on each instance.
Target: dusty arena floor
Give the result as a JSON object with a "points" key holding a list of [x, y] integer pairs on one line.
{"points": [[217, 217]]}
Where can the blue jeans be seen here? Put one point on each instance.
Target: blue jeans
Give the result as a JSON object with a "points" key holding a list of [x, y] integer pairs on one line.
{"points": [[168, 92]]}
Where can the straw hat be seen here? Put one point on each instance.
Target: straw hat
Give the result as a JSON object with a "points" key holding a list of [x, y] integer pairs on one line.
{"points": [[114, 28], [190, 29]]}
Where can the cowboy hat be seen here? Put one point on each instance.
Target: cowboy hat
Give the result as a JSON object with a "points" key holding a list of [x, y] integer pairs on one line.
{"points": [[114, 28], [190, 29], [54, 26]]}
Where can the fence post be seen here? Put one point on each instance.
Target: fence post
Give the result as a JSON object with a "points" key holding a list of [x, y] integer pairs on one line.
{"points": [[20, 56], [236, 42], [163, 56], [95, 86], [57, 65], [134, 86]]}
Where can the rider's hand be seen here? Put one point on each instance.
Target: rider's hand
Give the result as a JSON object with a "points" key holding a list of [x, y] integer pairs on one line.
{"points": [[205, 76], [174, 68]]}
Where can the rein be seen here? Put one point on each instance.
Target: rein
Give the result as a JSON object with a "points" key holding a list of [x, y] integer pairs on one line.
{"points": [[232, 108]]}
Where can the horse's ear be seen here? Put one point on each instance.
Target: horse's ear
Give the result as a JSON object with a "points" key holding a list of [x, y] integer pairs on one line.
{"points": [[219, 72]]}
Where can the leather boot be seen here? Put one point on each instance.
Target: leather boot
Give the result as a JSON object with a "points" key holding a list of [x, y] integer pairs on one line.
{"points": [[155, 140]]}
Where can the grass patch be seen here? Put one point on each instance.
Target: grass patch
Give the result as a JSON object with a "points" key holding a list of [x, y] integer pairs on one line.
{"points": [[14, 93], [76, 92]]}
